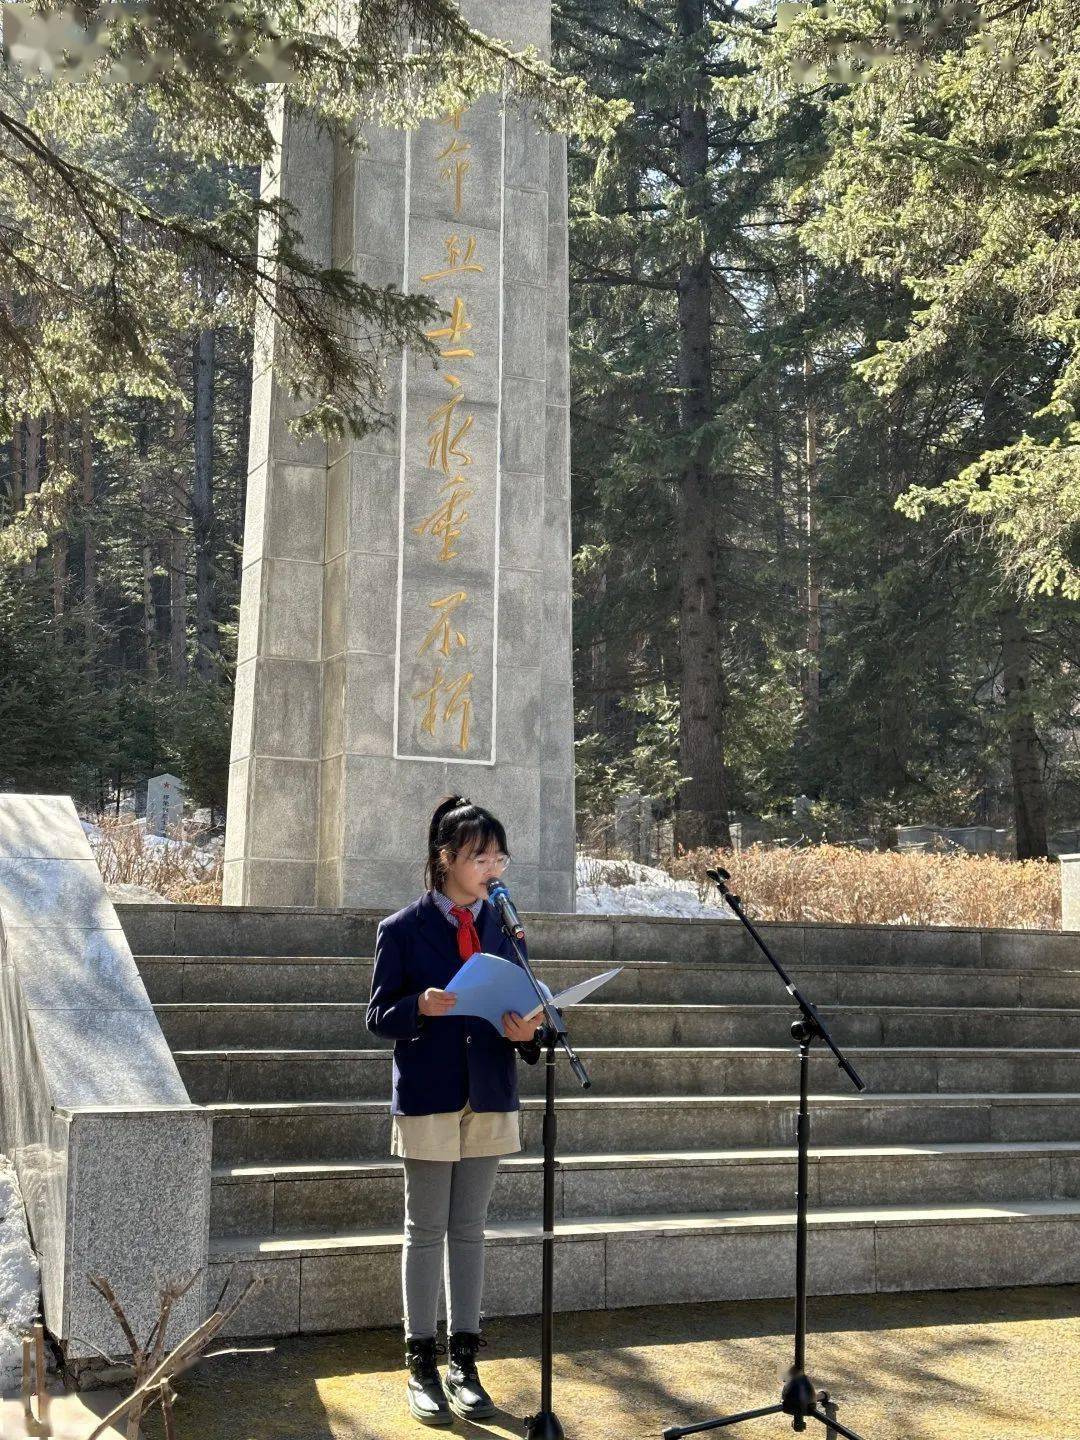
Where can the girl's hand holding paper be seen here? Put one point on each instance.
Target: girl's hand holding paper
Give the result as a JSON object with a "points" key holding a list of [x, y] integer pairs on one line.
{"points": [[519, 1030]]}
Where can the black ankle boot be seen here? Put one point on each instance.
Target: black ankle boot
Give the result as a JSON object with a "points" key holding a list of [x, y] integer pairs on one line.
{"points": [[427, 1402], [466, 1395]]}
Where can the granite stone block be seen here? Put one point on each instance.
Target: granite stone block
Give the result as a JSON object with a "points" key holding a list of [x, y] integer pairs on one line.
{"points": [[527, 163], [351, 1291], [523, 430], [236, 831], [525, 320], [287, 709], [521, 522], [296, 513], [250, 632], [40, 892], [372, 503], [334, 607], [517, 25], [63, 967], [139, 1204], [370, 620], [292, 609], [279, 882], [284, 809], [556, 892], [518, 736], [273, 1308], [331, 782], [1017, 1248], [521, 622], [41, 827], [333, 705], [557, 830], [369, 704]]}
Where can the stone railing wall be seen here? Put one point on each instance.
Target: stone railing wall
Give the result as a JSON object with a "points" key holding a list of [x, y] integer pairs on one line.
{"points": [[112, 1157]]}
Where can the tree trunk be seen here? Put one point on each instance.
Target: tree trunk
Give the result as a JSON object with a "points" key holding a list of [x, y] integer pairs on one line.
{"points": [[1027, 756], [33, 470], [54, 457], [17, 477], [89, 539], [598, 669], [776, 459], [149, 608], [178, 563], [702, 817], [202, 505], [812, 671]]}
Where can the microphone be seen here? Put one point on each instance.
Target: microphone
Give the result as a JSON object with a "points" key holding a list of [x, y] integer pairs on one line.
{"points": [[499, 896]]}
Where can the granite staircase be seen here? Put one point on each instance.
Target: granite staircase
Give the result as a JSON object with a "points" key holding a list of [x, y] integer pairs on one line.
{"points": [[959, 1166]]}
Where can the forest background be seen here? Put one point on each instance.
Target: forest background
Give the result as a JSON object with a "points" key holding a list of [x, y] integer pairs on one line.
{"points": [[825, 311]]}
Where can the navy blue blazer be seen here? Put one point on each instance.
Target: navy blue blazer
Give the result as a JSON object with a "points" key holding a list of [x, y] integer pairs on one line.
{"points": [[440, 1062]]}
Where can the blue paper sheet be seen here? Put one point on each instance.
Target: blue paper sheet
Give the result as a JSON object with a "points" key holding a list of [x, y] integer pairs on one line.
{"points": [[489, 986]]}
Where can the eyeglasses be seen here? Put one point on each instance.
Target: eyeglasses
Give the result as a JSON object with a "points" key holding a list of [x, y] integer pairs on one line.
{"points": [[493, 862]]}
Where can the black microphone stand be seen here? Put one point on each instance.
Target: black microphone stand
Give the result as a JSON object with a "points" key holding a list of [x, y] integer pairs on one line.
{"points": [[544, 1425], [799, 1398]]}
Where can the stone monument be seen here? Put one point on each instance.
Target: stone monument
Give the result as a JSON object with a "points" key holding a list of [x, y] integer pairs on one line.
{"points": [[405, 606]]}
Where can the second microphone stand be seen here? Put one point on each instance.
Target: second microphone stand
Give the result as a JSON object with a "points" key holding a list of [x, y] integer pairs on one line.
{"points": [[544, 1425], [800, 1399]]}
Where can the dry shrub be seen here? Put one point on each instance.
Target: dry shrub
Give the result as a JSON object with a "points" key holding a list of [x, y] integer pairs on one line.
{"points": [[841, 885], [177, 868]]}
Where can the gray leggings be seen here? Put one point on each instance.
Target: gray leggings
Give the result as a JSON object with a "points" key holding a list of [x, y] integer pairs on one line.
{"points": [[445, 1201]]}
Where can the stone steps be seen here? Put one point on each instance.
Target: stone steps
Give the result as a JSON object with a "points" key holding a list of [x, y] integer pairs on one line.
{"points": [[603, 940], [301, 979], [352, 1278], [217, 1075], [289, 1199], [332, 1025], [960, 1165], [293, 1131]]}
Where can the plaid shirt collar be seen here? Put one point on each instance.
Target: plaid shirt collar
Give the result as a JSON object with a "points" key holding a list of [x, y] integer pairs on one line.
{"points": [[445, 904]]}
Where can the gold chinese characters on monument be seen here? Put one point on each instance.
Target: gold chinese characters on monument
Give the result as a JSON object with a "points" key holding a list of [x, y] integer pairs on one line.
{"points": [[443, 703]]}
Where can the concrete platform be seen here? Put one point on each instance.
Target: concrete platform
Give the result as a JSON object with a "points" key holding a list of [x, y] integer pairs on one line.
{"points": [[972, 1365], [352, 1280]]}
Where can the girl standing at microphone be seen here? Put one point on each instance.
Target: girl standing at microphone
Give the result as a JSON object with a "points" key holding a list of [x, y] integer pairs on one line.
{"points": [[454, 1103]]}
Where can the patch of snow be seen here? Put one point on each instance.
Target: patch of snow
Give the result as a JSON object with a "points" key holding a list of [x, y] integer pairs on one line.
{"points": [[19, 1277], [650, 891], [121, 893]]}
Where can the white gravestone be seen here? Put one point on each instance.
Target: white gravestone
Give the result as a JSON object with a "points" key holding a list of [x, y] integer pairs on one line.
{"points": [[164, 805]]}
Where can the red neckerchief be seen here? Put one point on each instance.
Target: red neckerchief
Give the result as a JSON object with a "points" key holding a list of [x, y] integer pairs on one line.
{"points": [[468, 941]]}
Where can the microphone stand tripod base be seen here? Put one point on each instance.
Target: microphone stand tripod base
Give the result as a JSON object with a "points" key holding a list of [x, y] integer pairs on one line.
{"points": [[544, 1426]]}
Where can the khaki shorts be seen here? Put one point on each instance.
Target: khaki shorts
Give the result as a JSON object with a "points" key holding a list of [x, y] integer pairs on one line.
{"points": [[456, 1134]]}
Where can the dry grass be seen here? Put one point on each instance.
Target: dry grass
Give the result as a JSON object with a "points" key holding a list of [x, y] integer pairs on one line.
{"points": [[837, 884], [176, 869]]}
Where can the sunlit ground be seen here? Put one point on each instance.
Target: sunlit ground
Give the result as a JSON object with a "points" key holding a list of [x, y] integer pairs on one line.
{"points": [[959, 1365]]}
